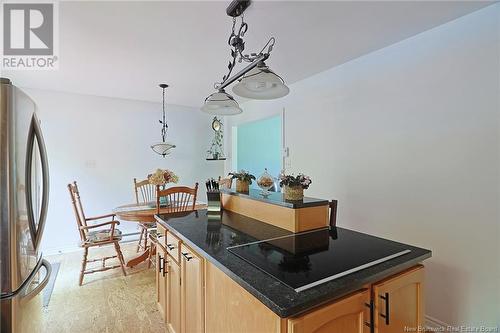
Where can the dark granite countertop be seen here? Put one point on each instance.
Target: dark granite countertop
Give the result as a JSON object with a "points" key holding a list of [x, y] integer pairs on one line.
{"points": [[211, 236], [276, 198]]}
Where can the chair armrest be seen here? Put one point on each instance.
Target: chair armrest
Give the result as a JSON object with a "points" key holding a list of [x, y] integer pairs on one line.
{"points": [[100, 217], [100, 225]]}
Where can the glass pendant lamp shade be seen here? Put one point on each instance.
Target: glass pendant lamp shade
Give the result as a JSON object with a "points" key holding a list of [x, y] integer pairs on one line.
{"points": [[261, 83], [221, 103], [162, 148]]}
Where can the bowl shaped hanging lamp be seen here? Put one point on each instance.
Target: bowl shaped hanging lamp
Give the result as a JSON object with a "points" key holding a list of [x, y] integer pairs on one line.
{"points": [[221, 103], [261, 83]]}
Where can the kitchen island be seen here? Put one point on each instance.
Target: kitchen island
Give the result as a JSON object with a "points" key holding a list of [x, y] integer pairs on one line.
{"points": [[227, 272]]}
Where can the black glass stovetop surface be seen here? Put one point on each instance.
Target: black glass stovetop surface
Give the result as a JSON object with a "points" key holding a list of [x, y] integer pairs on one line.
{"points": [[304, 260]]}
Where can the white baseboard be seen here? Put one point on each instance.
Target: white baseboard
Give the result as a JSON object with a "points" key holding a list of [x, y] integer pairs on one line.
{"points": [[435, 324], [134, 237]]}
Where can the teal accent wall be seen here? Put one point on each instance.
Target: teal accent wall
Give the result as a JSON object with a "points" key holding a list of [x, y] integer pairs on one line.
{"points": [[259, 146]]}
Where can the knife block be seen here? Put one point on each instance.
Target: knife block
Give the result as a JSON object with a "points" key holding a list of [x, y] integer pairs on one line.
{"points": [[214, 201]]}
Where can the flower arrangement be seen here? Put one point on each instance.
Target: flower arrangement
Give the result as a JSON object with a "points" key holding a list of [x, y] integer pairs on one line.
{"points": [[294, 186], [242, 176], [162, 177], [243, 180], [299, 180]]}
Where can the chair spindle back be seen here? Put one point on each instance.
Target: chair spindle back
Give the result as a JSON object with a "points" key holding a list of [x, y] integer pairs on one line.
{"points": [[179, 198], [78, 209], [144, 191]]}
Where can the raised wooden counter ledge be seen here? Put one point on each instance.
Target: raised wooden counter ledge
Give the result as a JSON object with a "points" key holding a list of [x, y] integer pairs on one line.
{"points": [[294, 216]]}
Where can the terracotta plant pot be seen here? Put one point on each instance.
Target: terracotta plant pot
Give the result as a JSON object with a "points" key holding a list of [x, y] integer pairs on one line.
{"points": [[294, 192], [242, 186]]}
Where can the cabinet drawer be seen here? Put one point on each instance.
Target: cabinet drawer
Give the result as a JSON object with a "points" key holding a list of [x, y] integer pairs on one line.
{"points": [[173, 245], [161, 235]]}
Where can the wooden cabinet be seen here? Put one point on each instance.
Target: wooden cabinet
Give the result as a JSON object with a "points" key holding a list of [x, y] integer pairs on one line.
{"points": [[174, 301], [192, 291], [161, 281], [399, 302], [348, 315], [180, 287]]}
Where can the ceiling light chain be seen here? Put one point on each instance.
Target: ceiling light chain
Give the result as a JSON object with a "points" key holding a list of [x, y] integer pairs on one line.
{"points": [[164, 121]]}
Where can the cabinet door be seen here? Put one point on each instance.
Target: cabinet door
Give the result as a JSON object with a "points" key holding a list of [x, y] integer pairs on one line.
{"points": [[192, 291], [174, 296], [161, 281], [399, 305], [347, 315]]}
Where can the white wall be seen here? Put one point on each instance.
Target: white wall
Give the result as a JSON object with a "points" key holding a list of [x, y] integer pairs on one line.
{"points": [[103, 143], [407, 139]]}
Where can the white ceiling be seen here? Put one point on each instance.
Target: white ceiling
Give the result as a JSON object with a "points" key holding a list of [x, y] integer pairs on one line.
{"points": [[124, 49]]}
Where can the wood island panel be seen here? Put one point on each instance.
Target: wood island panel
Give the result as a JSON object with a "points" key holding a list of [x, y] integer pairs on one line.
{"points": [[294, 220], [231, 309]]}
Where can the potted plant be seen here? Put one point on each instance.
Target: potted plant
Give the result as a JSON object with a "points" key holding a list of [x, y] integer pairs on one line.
{"points": [[162, 178], [243, 180], [294, 186]]}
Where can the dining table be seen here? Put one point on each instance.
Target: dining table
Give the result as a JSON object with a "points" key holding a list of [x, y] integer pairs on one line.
{"points": [[143, 212]]}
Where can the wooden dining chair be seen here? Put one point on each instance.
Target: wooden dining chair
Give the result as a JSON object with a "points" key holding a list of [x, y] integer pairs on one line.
{"points": [[144, 193], [178, 199], [91, 236]]}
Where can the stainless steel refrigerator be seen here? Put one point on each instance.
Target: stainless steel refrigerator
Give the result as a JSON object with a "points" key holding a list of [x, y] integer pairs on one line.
{"points": [[24, 190]]}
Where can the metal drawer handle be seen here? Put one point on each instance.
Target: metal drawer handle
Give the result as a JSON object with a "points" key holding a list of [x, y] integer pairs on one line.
{"points": [[162, 267], [165, 271], [372, 308], [170, 246], [386, 315], [187, 256]]}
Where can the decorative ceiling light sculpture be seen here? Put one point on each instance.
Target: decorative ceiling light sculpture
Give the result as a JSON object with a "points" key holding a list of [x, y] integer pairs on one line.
{"points": [[255, 81]]}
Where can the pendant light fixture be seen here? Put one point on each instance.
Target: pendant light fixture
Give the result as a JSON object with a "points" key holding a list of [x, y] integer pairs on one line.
{"points": [[163, 148], [255, 81], [221, 103], [261, 83]]}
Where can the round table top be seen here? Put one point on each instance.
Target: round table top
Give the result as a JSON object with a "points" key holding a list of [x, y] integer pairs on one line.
{"points": [[144, 212]]}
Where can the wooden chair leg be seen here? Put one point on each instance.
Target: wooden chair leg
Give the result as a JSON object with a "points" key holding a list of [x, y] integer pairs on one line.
{"points": [[145, 239], [151, 252], [84, 265], [140, 239], [120, 257]]}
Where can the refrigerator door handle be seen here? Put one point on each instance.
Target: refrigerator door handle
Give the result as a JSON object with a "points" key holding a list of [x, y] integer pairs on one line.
{"points": [[41, 285], [22, 288], [36, 229]]}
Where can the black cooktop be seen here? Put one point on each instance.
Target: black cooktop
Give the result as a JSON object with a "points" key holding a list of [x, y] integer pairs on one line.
{"points": [[305, 260]]}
